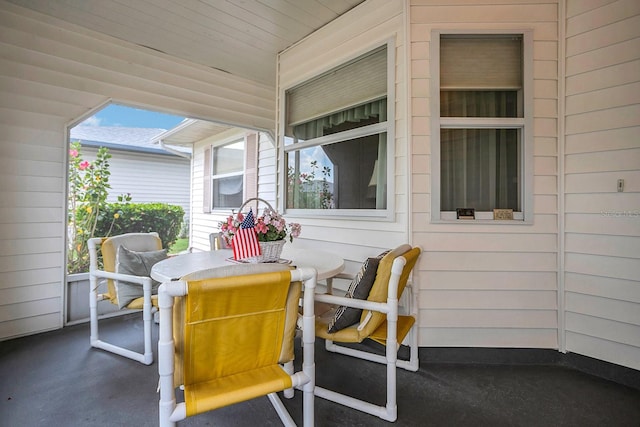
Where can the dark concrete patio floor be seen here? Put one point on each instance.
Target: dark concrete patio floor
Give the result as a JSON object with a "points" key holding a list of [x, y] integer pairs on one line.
{"points": [[55, 379]]}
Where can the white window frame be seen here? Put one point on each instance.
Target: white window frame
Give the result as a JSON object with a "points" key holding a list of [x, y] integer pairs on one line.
{"points": [[524, 124], [378, 128], [213, 176]]}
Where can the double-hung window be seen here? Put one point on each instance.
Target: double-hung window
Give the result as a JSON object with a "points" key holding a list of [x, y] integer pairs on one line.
{"points": [[337, 134], [227, 175], [482, 124]]}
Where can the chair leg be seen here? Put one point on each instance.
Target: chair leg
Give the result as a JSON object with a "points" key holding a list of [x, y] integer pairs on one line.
{"points": [[389, 412], [289, 369], [284, 415], [147, 318], [93, 313], [145, 358], [166, 351]]}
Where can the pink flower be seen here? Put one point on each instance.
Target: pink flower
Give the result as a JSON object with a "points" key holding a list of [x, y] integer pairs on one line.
{"points": [[261, 228], [84, 165], [295, 229], [73, 153]]}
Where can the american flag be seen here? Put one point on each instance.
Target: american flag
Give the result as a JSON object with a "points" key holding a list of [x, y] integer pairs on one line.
{"points": [[245, 241]]}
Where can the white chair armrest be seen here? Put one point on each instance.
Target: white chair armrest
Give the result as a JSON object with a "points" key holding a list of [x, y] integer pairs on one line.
{"points": [[142, 280], [352, 302]]}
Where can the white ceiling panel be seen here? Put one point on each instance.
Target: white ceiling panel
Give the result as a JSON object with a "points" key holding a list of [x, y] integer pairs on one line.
{"points": [[241, 37]]}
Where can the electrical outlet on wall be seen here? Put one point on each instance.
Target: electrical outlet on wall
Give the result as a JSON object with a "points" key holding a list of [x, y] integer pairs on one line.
{"points": [[620, 185]]}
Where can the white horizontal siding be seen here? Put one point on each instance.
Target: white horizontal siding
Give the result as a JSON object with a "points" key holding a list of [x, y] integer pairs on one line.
{"points": [[52, 74], [602, 241], [489, 285], [364, 28], [148, 178], [205, 223]]}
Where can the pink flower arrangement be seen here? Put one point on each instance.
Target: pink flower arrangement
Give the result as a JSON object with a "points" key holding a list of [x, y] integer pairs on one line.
{"points": [[271, 226]]}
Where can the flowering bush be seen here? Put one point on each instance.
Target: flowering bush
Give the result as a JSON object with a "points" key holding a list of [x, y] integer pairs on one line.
{"points": [[88, 191], [271, 226]]}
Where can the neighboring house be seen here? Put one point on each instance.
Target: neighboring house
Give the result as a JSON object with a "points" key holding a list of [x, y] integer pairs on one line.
{"points": [[139, 166], [564, 274]]}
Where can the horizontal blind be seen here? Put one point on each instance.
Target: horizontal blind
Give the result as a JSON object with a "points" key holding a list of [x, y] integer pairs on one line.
{"points": [[480, 62], [357, 82]]}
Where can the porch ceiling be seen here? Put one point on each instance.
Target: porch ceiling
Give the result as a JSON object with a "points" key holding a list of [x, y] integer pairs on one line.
{"points": [[241, 37]]}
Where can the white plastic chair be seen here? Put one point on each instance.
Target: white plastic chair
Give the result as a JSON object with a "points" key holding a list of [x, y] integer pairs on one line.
{"points": [[202, 351], [140, 242], [380, 322]]}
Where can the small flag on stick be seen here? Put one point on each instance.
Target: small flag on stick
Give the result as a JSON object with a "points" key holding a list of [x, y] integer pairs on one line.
{"points": [[245, 241]]}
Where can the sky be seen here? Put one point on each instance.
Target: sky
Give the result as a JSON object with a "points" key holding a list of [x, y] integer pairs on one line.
{"points": [[122, 116]]}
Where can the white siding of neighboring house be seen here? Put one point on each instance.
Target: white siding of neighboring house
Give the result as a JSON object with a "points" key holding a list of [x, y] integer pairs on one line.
{"points": [[148, 177], [362, 29], [486, 285], [51, 74], [602, 145], [204, 223]]}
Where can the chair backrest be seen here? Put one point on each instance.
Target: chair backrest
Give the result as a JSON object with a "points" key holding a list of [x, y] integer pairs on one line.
{"points": [[179, 308], [232, 325], [216, 242], [380, 289], [139, 242]]}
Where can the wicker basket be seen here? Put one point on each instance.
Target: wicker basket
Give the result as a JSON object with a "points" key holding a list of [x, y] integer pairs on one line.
{"points": [[271, 251]]}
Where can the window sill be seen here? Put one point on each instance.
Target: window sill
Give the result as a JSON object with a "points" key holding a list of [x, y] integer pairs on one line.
{"points": [[481, 217]]}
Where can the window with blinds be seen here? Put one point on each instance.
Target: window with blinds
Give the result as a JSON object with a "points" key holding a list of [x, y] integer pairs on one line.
{"points": [[335, 139], [481, 140]]}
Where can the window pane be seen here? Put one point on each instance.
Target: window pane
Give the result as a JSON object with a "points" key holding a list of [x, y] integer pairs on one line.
{"points": [[227, 192], [480, 169], [340, 118], [345, 175], [478, 103], [310, 179], [228, 158]]}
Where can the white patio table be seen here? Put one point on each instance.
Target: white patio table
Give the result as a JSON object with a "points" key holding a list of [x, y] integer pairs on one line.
{"points": [[327, 265]]}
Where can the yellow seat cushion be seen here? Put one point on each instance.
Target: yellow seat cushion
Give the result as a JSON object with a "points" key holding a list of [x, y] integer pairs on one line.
{"points": [[378, 293], [404, 326], [137, 303], [220, 392]]}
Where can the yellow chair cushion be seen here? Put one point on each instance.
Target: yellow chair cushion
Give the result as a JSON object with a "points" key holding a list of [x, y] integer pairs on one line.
{"points": [[133, 241], [138, 302], [404, 326], [378, 293], [214, 394]]}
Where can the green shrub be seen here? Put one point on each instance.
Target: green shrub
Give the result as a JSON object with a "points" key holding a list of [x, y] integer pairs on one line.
{"points": [[121, 218]]}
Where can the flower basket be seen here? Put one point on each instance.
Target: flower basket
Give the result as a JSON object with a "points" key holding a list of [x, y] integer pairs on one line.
{"points": [[271, 252], [271, 229]]}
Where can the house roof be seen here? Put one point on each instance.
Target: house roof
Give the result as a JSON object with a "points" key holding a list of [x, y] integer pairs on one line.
{"points": [[240, 37], [121, 138], [190, 131]]}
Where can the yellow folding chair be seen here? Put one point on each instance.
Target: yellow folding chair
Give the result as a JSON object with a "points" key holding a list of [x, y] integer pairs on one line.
{"points": [[229, 339], [378, 321]]}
